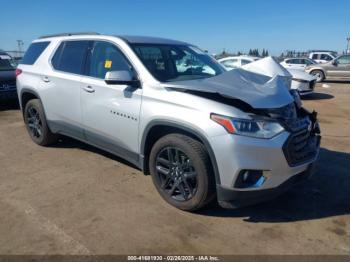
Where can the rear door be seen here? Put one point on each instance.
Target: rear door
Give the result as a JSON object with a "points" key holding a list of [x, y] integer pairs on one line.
{"points": [[110, 112], [61, 87]]}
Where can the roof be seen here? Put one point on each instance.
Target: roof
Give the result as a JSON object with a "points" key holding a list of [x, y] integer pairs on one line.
{"points": [[133, 39]]}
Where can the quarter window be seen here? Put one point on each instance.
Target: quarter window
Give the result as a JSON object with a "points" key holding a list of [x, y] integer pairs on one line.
{"points": [[106, 57], [33, 52], [70, 56]]}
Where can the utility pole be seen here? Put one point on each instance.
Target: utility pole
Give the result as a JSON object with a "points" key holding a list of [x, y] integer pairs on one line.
{"points": [[347, 46], [20, 44]]}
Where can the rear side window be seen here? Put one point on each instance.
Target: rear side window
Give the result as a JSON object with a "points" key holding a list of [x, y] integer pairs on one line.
{"points": [[231, 63], [326, 57], [71, 56], [33, 52], [315, 56], [245, 62]]}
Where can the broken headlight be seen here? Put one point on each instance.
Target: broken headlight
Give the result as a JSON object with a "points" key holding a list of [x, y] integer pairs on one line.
{"points": [[258, 128]]}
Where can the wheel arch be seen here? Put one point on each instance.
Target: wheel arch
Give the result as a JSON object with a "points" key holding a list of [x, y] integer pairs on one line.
{"points": [[159, 128], [26, 95], [319, 69]]}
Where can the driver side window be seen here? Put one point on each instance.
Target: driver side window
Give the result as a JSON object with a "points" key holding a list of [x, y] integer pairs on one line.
{"points": [[106, 57], [190, 64]]}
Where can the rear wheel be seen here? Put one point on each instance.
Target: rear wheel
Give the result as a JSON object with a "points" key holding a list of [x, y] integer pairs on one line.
{"points": [[36, 124], [319, 75], [181, 172]]}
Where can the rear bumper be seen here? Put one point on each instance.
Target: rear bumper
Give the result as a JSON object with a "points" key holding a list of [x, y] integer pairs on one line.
{"points": [[233, 198]]}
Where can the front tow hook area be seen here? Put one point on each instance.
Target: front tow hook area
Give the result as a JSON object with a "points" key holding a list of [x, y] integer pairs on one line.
{"points": [[232, 198]]}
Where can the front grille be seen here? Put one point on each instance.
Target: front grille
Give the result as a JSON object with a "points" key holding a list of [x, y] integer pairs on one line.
{"points": [[7, 85], [301, 147]]}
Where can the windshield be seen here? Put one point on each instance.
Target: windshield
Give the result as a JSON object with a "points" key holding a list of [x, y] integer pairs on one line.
{"points": [[6, 63], [169, 63]]}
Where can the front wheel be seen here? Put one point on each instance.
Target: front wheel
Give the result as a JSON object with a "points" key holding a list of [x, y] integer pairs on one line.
{"points": [[319, 75], [181, 172]]}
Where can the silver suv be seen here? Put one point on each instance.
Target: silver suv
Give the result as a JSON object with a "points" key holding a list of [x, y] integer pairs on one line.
{"points": [[339, 68], [172, 111]]}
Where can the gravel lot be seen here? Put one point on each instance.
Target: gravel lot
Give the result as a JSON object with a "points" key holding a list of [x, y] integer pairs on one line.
{"points": [[75, 199]]}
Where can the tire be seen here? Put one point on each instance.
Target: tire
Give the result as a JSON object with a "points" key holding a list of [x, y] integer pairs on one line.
{"points": [[185, 180], [36, 124], [319, 75]]}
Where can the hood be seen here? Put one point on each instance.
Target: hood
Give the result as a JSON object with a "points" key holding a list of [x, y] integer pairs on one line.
{"points": [[267, 66], [299, 74], [258, 90]]}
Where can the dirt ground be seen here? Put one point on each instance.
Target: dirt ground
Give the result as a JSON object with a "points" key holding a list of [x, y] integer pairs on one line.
{"points": [[75, 199]]}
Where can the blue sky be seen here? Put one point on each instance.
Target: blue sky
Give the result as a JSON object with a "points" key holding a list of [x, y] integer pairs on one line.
{"points": [[213, 25]]}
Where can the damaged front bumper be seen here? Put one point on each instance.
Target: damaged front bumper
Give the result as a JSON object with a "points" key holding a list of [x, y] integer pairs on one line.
{"points": [[271, 166]]}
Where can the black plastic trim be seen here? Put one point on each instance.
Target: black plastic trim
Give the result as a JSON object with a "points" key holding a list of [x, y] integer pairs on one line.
{"points": [[231, 198]]}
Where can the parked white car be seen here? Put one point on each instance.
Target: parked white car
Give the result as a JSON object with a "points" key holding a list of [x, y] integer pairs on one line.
{"points": [[297, 63], [322, 56], [301, 81], [232, 62]]}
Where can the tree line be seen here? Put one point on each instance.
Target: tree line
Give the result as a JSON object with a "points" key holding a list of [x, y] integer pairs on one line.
{"points": [[252, 52]]}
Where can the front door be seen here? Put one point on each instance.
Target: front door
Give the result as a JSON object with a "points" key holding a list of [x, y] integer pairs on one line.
{"points": [[341, 67], [110, 112]]}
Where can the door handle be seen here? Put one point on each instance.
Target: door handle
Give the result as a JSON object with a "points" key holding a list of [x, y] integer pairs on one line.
{"points": [[46, 79], [89, 89]]}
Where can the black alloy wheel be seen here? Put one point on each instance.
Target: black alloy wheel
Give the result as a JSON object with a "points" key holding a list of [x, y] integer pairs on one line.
{"points": [[176, 174]]}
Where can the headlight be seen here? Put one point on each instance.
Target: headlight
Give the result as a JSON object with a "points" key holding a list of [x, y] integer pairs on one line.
{"points": [[253, 128]]}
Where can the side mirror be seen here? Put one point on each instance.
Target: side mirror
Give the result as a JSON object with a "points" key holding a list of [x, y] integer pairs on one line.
{"points": [[122, 77], [334, 62]]}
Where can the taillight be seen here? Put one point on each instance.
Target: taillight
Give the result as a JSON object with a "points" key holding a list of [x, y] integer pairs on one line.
{"points": [[18, 72]]}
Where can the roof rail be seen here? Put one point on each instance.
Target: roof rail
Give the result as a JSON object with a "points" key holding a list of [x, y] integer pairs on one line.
{"points": [[69, 34]]}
